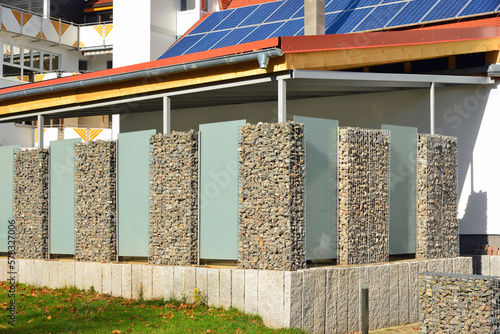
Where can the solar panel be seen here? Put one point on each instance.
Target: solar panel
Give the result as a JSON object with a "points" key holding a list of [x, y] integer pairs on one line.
{"points": [[208, 40], [261, 14], [234, 37], [182, 46], [289, 28], [362, 3], [478, 7], [262, 32], [445, 10], [347, 21], [330, 18], [380, 16], [234, 19], [288, 11], [211, 22], [336, 5], [412, 13], [286, 18]]}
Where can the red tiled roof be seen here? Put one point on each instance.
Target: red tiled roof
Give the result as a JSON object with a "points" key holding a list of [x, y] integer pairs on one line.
{"points": [[243, 3], [94, 3], [224, 4]]}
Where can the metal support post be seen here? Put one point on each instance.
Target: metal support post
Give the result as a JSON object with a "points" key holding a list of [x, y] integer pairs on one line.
{"points": [[166, 115], [40, 131], [281, 101], [433, 108], [365, 325]]}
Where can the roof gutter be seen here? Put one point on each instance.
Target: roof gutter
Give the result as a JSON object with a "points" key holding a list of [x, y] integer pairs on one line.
{"points": [[261, 56]]}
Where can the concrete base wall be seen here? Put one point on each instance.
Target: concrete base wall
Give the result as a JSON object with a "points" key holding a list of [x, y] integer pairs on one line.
{"points": [[487, 265], [319, 300]]}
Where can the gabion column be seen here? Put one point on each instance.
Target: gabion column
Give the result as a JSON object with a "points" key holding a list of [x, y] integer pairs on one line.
{"points": [[31, 204], [452, 303], [271, 212], [363, 196], [95, 201], [173, 226], [437, 224]]}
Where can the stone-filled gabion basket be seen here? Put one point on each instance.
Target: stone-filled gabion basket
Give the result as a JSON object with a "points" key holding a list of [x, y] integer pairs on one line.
{"points": [[95, 201], [271, 203], [437, 210], [453, 303], [173, 225], [31, 204], [363, 196]]}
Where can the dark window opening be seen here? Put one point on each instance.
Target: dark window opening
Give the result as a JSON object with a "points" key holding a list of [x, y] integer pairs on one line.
{"points": [[187, 5], [83, 65]]}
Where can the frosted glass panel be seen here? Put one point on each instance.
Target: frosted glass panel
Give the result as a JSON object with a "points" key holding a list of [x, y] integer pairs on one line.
{"points": [[219, 190], [320, 187], [133, 193], [403, 194], [62, 196], [6, 192]]}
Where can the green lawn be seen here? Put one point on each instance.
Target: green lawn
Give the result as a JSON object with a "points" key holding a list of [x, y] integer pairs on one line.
{"points": [[42, 310]]}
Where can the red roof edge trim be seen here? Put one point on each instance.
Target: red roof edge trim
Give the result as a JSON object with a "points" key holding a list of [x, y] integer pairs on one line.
{"points": [[226, 51], [386, 38]]}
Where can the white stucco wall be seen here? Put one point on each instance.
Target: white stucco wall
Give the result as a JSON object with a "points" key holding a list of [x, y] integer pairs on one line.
{"points": [[132, 32], [163, 26], [16, 135], [143, 33], [468, 113]]}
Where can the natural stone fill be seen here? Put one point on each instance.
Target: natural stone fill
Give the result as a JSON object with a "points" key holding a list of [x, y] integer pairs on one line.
{"points": [[173, 225], [31, 204], [437, 223], [271, 204], [95, 201], [451, 303], [363, 196]]}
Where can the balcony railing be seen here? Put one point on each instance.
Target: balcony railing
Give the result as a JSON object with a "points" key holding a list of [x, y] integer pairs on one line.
{"points": [[56, 30]]}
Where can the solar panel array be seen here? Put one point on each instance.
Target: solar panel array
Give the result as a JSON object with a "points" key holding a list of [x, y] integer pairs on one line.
{"points": [[286, 18]]}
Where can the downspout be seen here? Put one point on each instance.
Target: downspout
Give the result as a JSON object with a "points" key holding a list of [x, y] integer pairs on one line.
{"points": [[261, 56]]}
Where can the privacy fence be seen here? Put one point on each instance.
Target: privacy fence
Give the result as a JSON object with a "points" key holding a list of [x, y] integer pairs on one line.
{"points": [[270, 196]]}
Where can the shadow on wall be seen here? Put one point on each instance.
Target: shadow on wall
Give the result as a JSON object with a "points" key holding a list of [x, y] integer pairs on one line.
{"points": [[476, 211]]}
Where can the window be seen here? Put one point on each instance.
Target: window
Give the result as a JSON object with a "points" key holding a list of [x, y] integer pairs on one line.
{"points": [[83, 65], [7, 52], [24, 64], [16, 55], [187, 5], [109, 64], [36, 59], [46, 62], [55, 63], [27, 57]]}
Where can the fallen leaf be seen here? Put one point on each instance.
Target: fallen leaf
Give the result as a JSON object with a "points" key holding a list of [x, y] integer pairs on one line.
{"points": [[116, 331]]}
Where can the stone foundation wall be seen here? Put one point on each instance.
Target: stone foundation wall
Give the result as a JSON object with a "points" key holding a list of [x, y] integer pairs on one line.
{"points": [[363, 196], [459, 303], [437, 210], [320, 300], [95, 201], [31, 204], [271, 212], [173, 237]]}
